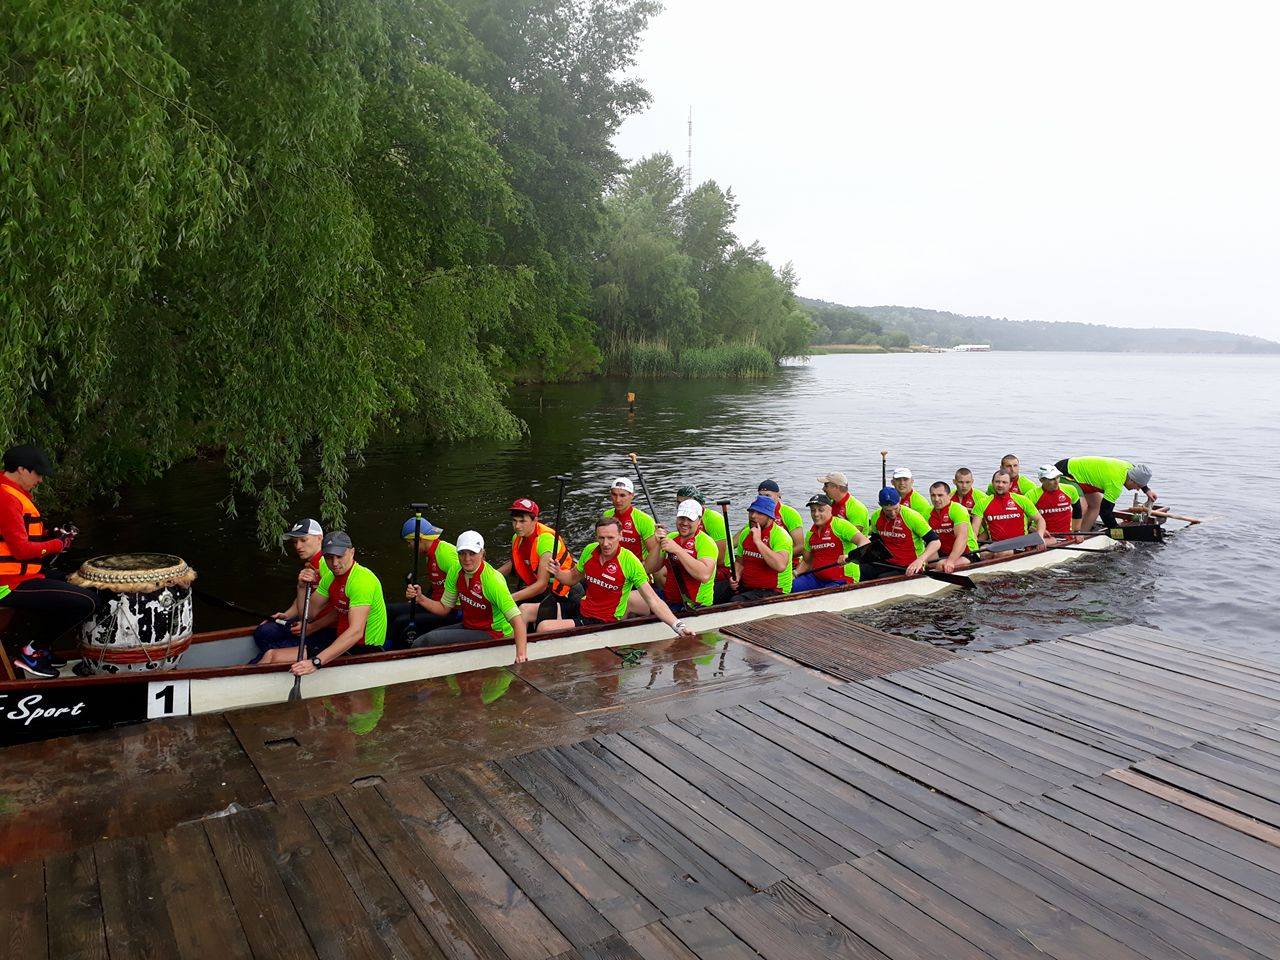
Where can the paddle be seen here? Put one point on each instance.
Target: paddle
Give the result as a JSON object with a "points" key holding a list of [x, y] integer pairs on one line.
{"points": [[229, 605], [635, 462], [1161, 512], [728, 534], [555, 534], [411, 631], [1014, 543], [884, 468], [955, 579], [296, 693]]}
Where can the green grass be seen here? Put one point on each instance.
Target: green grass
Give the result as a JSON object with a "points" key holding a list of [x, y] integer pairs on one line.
{"points": [[654, 359]]}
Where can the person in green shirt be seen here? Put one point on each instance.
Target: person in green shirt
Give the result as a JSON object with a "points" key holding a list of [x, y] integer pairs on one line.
{"points": [[907, 544], [1103, 481], [636, 525], [689, 574], [908, 495], [828, 543], [714, 526], [1020, 484], [967, 495], [488, 612], [789, 517], [346, 593], [958, 543], [835, 486], [762, 565]]}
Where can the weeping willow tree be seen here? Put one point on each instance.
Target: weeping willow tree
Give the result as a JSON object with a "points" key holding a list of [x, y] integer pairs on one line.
{"points": [[269, 230]]}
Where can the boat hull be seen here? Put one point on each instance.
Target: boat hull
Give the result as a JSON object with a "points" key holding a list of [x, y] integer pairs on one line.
{"points": [[35, 710]]}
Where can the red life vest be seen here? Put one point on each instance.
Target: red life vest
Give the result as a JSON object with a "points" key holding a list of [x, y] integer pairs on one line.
{"points": [[941, 524], [838, 508], [897, 538], [605, 580], [1055, 507], [1004, 518], [825, 548], [756, 574], [631, 539], [526, 564], [12, 570], [670, 589], [477, 611]]}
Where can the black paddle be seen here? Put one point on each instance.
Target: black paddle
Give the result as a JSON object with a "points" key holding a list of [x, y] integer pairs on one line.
{"points": [[635, 462], [229, 605], [1014, 543], [411, 631], [884, 468], [296, 693], [563, 478], [728, 534]]}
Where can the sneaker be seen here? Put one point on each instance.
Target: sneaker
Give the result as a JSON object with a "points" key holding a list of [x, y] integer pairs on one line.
{"points": [[35, 667]]}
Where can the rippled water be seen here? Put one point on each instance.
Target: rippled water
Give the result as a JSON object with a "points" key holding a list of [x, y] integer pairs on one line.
{"points": [[1205, 424]]}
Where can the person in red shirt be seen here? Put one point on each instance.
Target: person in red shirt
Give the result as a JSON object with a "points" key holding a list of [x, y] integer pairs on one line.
{"points": [[1059, 505], [1008, 513], [281, 629], [25, 546]]}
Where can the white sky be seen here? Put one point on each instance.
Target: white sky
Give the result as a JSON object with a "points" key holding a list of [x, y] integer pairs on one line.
{"points": [[1105, 162]]}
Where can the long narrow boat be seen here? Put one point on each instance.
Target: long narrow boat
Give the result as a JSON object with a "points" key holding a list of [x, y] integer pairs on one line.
{"points": [[214, 675]]}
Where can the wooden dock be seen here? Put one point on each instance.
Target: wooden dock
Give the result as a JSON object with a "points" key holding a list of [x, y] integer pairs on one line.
{"points": [[1113, 795]]}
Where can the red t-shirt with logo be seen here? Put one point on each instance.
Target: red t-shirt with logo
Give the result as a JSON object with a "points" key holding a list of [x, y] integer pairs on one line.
{"points": [[897, 537], [825, 548], [609, 583], [1005, 517], [1055, 507]]}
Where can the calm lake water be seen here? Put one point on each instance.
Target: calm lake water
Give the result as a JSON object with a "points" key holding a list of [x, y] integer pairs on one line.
{"points": [[1207, 425]]}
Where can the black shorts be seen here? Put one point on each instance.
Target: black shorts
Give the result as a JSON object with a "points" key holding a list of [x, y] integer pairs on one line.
{"points": [[580, 621]]}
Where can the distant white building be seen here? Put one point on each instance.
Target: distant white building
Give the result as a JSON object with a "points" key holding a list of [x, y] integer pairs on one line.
{"points": [[971, 348]]}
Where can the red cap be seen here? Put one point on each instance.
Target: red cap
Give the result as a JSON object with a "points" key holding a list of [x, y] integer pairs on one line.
{"points": [[525, 505]]}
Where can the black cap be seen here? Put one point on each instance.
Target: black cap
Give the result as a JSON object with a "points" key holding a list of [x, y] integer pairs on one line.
{"points": [[25, 455], [819, 500], [336, 544], [770, 485], [306, 527]]}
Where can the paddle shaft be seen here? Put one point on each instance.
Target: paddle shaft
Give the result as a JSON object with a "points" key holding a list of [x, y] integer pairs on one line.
{"points": [[411, 632], [635, 462], [1160, 512], [728, 534], [555, 537], [884, 468], [296, 693], [229, 605]]}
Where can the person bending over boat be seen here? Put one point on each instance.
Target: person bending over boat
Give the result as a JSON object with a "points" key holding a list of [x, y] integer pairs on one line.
{"points": [[25, 584], [957, 542], [1008, 514], [348, 595], [1018, 483], [827, 545], [1058, 503], [488, 611], [1103, 481], [907, 543], [789, 517], [531, 545], [714, 527], [441, 556], [689, 570], [908, 495], [843, 504], [616, 583], [965, 494], [280, 631], [637, 526], [763, 557]]}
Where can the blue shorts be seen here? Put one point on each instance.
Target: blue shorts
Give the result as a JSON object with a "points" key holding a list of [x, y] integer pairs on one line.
{"points": [[811, 581], [272, 636]]}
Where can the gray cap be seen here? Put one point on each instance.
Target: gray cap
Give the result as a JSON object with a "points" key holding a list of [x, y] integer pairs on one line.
{"points": [[336, 544], [1140, 474]]}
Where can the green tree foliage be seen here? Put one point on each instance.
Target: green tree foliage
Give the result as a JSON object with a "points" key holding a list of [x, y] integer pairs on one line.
{"points": [[672, 276], [272, 229]]}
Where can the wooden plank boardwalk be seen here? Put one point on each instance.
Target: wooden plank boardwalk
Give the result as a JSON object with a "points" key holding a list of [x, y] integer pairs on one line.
{"points": [[1113, 795]]}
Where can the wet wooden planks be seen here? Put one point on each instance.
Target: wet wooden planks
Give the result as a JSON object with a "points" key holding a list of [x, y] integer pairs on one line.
{"points": [[1029, 808], [837, 645]]}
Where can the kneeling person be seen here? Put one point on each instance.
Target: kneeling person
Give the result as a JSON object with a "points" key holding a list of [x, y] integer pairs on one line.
{"points": [[488, 612], [348, 595], [957, 542], [827, 546], [763, 567], [611, 573], [691, 559]]}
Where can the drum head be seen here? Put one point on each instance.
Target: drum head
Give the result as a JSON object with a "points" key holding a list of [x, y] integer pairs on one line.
{"points": [[134, 572]]}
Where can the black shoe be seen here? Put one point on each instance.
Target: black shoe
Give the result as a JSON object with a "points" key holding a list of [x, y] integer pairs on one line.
{"points": [[56, 661], [36, 667]]}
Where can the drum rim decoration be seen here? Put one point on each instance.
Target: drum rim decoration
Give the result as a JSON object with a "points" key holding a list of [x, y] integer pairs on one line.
{"points": [[93, 573]]}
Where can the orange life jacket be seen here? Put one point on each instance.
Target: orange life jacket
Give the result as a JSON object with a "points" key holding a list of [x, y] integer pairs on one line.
{"points": [[11, 566], [526, 564]]}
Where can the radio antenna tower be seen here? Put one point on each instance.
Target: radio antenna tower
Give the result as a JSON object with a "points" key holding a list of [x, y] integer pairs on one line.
{"points": [[688, 157]]}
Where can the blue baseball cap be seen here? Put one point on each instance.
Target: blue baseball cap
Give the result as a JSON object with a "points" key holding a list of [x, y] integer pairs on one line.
{"points": [[889, 497], [770, 485], [763, 505], [428, 529]]}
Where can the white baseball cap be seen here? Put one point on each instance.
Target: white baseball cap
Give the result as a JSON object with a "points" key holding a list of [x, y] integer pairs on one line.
{"points": [[623, 483], [901, 473], [689, 509], [1049, 472], [305, 527], [470, 540]]}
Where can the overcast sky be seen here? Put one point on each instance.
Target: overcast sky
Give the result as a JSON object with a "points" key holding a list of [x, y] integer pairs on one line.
{"points": [[1105, 162]]}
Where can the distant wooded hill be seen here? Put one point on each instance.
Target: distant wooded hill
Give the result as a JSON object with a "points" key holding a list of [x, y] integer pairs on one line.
{"points": [[895, 327]]}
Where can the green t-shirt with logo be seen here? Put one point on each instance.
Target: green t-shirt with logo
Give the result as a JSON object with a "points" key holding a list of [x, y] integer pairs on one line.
{"points": [[362, 590], [913, 521], [855, 511], [1028, 507], [493, 586], [845, 532], [919, 503], [779, 542], [633, 574], [643, 523], [959, 515]]}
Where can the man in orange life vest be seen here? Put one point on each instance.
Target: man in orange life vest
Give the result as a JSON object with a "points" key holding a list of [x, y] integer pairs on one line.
{"points": [[531, 545], [25, 545]]}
